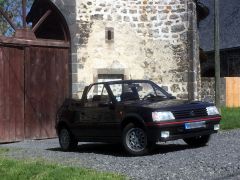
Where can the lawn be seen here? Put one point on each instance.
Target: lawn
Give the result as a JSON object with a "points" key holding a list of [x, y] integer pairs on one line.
{"points": [[39, 170], [230, 118]]}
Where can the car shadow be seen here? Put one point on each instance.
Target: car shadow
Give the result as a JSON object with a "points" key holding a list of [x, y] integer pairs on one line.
{"points": [[118, 151]]}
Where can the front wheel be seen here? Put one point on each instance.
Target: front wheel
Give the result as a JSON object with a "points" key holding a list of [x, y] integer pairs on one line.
{"points": [[197, 141], [134, 140], [66, 140]]}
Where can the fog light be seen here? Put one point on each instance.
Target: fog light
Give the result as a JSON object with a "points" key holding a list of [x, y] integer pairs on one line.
{"points": [[216, 127], [165, 134]]}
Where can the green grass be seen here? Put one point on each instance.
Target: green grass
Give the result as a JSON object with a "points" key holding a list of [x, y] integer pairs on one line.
{"points": [[230, 118], [3, 150], [40, 170], [11, 169]]}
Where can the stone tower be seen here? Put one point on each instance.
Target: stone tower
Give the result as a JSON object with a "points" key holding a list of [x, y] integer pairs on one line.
{"points": [[134, 39]]}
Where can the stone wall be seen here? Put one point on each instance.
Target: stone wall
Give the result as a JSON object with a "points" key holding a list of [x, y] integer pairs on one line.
{"points": [[153, 39], [68, 9], [208, 90]]}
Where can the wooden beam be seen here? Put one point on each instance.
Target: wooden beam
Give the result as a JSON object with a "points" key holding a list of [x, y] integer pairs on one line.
{"points": [[38, 42], [8, 19], [24, 6], [41, 20]]}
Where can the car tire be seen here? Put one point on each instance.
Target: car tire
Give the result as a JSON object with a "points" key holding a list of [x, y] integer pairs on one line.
{"points": [[67, 140], [134, 140], [197, 141]]}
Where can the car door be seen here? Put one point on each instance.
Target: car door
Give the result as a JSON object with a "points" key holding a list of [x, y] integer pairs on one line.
{"points": [[106, 125], [94, 118], [87, 116], [100, 112]]}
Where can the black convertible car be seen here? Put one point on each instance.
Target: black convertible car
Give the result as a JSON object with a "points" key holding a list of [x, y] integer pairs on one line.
{"points": [[136, 113]]}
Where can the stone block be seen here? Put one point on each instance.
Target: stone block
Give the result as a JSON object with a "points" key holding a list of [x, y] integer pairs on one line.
{"points": [[175, 36], [178, 10], [98, 9], [102, 5], [74, 78], [134, 18], [133, 11], [74, 68], [109, 18], [153, 18], [177, 28], [89, 3], [174, 16], [143, 18], [74, 58], [126, 18], [141, 25], [168, 23], [97, 17], [165, 30], [119, 18], [164, 17], [75, 87], [124, 11]]}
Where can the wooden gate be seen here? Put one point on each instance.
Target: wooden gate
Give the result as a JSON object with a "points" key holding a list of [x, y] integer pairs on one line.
{"points": [[233, 91], [11, 93], [33, 84]]}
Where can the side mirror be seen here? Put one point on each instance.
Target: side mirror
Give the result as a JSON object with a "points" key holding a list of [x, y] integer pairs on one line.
{"points": [[172, 97]]}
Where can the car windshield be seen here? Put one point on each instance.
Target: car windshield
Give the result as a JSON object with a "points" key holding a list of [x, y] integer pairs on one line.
{"points": [[128, 91]]}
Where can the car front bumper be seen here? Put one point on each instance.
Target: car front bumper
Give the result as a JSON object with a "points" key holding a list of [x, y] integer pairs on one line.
{"points": [[176, 129]]}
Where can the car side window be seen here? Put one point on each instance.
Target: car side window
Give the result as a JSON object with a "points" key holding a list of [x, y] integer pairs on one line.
{"points": [[145, 89], [94, 91], [96, 95], [117, 90], [160, 93]]}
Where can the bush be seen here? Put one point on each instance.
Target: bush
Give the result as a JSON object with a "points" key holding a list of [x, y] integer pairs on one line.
{"points": [[230, 118]]}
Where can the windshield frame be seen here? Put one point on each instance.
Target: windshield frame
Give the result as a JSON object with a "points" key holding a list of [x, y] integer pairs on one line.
{"points": [[154, 86]]}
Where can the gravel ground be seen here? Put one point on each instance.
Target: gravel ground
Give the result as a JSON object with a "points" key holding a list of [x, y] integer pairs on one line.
{"points": [[172, 160]]}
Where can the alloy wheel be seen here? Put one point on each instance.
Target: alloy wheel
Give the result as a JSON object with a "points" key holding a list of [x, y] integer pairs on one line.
{"points": [[136, 139], [64, 139]]}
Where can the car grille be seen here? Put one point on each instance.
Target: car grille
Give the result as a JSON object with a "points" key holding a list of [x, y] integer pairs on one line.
{"points": [[190, 113]]}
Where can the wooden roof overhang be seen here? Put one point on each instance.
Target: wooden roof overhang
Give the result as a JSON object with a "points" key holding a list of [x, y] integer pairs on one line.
{"points": [[49, 27], [47, 21]]}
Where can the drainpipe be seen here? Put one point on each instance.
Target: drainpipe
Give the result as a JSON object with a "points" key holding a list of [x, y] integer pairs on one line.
{"points": [[192, 50], [217, 53]]}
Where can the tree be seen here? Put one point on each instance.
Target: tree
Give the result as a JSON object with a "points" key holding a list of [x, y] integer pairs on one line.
{"points": [[14, 11]]}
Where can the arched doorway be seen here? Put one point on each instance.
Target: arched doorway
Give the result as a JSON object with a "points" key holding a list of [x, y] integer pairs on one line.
{"points": [[34, 78]]}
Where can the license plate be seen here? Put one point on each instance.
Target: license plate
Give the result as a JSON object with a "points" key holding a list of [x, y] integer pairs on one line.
{"points": [[195, 125]]}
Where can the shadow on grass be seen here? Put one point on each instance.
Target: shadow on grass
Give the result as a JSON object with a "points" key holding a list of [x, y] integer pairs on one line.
{"points": [[118, 151]]}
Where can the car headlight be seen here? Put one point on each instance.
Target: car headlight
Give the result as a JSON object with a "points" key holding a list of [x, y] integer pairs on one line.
{"points": [[162, 116], [212, 110]]}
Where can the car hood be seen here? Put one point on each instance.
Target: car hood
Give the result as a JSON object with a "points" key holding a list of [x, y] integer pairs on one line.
{"points": [[169, 104]]}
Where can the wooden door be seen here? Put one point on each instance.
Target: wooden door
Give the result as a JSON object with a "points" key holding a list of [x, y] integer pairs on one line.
{"points": [[46, 87], [11, 93]]}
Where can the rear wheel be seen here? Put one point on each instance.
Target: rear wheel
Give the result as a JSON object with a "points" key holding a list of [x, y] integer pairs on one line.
{"points": [[134, 140], [66, 140], [197, 141]]}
